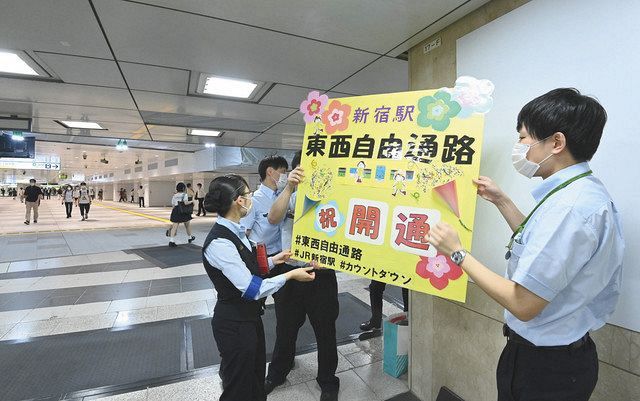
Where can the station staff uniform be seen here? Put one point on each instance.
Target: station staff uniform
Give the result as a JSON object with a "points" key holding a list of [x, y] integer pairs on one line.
{"points": [[256, 220], [570, 254], [317, 299], [237, 323]]}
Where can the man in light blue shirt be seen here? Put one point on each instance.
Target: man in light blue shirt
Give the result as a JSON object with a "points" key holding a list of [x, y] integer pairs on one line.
{"points": [[564, 258], [273, 178]]}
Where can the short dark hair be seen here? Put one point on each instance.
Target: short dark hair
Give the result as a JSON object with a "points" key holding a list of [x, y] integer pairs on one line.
{"points": [[32, 180], [180, 187], [295, 162], [580, 118], [222, 192], [188, 185], [199, 184], [273, 161]]}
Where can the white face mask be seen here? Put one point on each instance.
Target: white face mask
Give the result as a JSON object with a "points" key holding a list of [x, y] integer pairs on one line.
{"points": [[247, 208], [520, 161], [282, 182]]}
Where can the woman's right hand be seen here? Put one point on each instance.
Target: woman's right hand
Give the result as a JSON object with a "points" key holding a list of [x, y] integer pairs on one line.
{"points": [[301, 274], [488, 190]]}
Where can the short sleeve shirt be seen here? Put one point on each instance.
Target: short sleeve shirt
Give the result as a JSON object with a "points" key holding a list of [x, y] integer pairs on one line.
{"points": [[570, 254]]}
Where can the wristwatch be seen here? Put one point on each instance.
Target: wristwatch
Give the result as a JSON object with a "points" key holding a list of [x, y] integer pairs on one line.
{"points": [[458, 256]]}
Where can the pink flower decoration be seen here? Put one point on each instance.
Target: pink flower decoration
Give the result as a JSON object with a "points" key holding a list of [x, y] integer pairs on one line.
{"points": [[336, 118], [313, 106], [438, 270]]}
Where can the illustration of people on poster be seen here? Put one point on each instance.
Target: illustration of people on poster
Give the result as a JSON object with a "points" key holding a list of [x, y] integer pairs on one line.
{"points": [[380, 170]]}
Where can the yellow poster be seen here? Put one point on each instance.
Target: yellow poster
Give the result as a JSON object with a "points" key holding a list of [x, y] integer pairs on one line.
{"points": [[380, 170]]}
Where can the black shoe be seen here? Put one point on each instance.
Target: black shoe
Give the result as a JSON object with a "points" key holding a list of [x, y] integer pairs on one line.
{"points": [[35, 221], [193, 237], [269, 386], [172, 244], [168, 232], [329, 395], [369, 326], [26, 222], [198, 214]]}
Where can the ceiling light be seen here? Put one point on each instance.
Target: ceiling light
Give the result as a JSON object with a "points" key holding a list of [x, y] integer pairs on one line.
{"points": [[209, 145], [80, 124], [13, 64], [204, 132], [229, 87]]}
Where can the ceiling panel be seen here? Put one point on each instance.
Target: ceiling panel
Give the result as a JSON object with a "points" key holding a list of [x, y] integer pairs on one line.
{"points": [[294, 119], [202, 44], [61, 111], [178, 134], [355, 23], [157, 79], [286, 130], [43, 25], [54, 92], [203, 122], [291, 96], [82, 70], [386, 75], [47, 124], [203, 106], [277, 143]]}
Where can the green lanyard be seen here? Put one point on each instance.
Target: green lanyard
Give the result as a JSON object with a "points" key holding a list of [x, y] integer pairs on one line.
{"points": [[524, 223]]}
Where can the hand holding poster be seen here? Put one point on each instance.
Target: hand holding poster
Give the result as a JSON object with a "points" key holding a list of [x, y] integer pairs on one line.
{"points": [[380, 171]]}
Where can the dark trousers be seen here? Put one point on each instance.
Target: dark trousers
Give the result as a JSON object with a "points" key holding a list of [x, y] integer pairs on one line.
{"points": [[242, 349], [529, 373], [68, 207], [295, 301], [84, 209], [140, 201], [376, 289], [201, 207]]}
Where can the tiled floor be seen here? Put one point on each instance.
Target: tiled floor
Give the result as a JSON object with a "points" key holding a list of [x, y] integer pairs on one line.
{"points": [[80, 278]]}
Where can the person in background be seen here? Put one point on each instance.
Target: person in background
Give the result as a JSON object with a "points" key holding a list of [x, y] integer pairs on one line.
{"points": [[67, 200], [2, 192], [376, 291], [191, 194], [84, 201], [273, 179], [141, 197], [133, 195], [100, 194], [92, 192], [200, 194], [21, 195], [32, 197], [295, 301], [180, 201], [564, 268], [233, 269], [76, 195]]}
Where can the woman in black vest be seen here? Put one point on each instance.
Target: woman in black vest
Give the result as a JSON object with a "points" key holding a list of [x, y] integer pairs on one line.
{"points": [[233, 269]]}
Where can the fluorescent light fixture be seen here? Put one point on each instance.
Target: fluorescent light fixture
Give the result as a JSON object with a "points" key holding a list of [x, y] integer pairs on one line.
{"points": [[229, 87], [12, 63], [209, 145], [80, 124], [204, 132]]}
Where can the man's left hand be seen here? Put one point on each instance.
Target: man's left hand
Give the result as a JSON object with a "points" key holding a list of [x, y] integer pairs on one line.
{"points": [[445, 238]]}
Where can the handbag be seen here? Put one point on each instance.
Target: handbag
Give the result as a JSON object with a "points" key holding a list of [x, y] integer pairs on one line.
{"points": [[185, 209]]}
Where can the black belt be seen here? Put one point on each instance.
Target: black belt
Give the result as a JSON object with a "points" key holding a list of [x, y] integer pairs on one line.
{"points": [[516, 338]]}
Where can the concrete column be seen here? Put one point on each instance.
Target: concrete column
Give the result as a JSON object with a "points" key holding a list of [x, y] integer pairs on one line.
{"points": [[107, 192], [160, 193]]}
